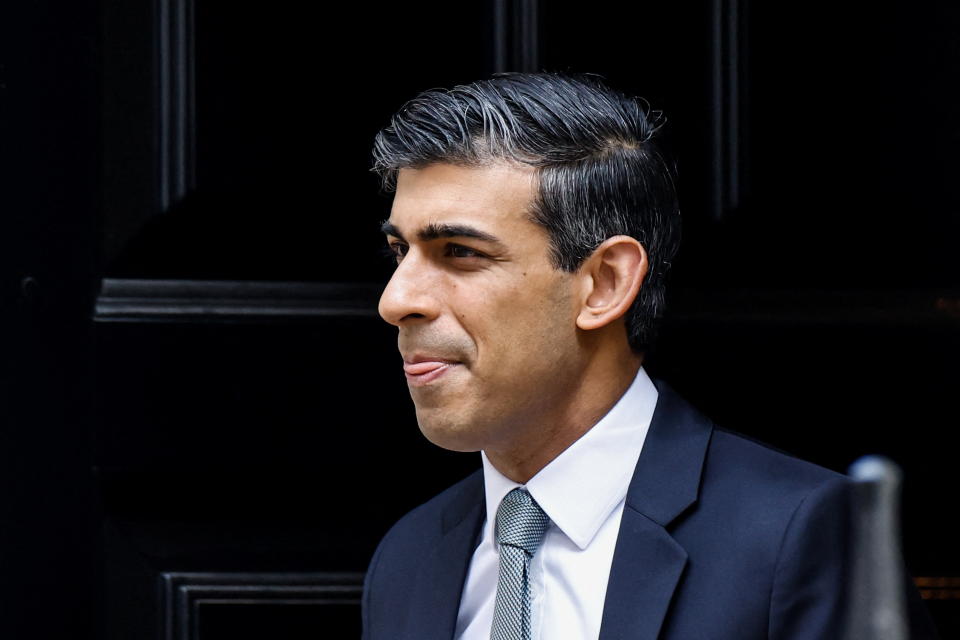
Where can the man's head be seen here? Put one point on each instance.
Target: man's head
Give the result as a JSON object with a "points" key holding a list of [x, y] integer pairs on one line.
{"points": [[529, 210], [598, 170]]}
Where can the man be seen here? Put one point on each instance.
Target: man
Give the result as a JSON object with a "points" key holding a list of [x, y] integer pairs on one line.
{"points": [[533, 225]]}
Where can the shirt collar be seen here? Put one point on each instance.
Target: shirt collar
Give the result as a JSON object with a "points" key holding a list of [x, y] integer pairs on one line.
{"points": [[571, 489]]}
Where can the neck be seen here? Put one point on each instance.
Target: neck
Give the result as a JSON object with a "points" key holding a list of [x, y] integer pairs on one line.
{"points": [[602, 383]]}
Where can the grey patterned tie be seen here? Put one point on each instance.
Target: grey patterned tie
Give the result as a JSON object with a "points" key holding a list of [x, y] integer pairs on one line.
{"points": [[520, 527]]}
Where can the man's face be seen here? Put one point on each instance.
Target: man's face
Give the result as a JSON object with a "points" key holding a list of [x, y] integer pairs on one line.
{"points": [[487, 326]]}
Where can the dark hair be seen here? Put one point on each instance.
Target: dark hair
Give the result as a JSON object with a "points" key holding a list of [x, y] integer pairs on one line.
{"points": [[600, 172]]}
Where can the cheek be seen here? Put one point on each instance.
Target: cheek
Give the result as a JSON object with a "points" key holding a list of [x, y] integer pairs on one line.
{"points": [[531, 320], [540, 329]]}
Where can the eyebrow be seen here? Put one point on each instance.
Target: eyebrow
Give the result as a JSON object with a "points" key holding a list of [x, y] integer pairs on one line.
{"points": [[434, 231]]}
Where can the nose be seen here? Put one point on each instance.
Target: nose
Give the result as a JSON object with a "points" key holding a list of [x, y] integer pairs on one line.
{"points": [[410, 294]]}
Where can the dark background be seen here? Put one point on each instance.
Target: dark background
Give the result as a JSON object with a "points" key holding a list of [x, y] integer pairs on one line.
{"points": [[194, 385]]}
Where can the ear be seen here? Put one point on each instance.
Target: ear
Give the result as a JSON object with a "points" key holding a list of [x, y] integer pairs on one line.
{"points": [[611, 279]]}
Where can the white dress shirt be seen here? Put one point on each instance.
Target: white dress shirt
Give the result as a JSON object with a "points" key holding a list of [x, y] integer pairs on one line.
{"points": [[582, 491]]}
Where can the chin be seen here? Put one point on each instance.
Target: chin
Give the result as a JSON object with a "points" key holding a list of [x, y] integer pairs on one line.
{"points": [[447, 433]]}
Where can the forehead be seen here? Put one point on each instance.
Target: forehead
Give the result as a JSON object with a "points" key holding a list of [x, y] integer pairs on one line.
{"points": [[495, 195]]}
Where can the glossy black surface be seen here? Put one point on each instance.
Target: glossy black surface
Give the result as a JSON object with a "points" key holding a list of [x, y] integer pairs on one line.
{"points": [[814, 305]]}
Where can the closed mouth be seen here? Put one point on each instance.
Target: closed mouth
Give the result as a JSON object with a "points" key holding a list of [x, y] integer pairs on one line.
{"points": [[424, 370]]}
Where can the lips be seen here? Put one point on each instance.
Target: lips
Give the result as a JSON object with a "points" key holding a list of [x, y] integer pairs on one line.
{"points": [[422, 370]]}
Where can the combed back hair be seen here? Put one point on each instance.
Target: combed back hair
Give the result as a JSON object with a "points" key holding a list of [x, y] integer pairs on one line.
{"points": [[600, 172]]}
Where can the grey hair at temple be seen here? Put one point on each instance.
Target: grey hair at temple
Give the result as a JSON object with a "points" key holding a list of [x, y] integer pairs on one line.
{"points": [[600, 170]]}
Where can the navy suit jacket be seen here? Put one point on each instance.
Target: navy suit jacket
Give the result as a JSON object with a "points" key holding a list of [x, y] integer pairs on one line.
{"points": [[721, 538]]}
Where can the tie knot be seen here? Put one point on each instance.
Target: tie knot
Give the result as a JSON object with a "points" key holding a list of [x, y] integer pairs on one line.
{"points": [[521, 522]]}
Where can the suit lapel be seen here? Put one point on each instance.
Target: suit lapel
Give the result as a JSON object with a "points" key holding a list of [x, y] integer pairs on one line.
{"points": [[648, 563], [440, 582]]}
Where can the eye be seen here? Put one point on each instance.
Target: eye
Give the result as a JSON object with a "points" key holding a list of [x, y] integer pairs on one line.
{"points": [[396, 251], [460, 251]]}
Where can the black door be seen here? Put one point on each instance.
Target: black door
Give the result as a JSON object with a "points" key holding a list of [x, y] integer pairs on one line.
{"points": [[196, 391]]}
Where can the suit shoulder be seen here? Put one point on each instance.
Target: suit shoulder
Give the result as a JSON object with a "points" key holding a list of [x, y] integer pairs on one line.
{"points": [[428, 520], [752, 497], [741, 459], [398, 563]]}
